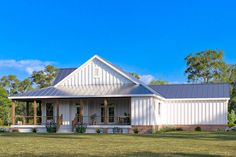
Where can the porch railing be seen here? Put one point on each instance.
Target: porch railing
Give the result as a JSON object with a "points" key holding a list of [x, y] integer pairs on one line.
{"points": [[41, 120], [102, 120]]}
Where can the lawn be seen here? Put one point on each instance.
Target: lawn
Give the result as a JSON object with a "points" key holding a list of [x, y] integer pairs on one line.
{"points": [[98, 145]]}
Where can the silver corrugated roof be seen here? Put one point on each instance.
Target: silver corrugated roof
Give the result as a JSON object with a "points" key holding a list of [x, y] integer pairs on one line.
{"points": [[175, 91], [87, 91]]}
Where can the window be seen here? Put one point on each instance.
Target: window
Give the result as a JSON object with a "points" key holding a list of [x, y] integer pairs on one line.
{"points": [[102, 113], [96, 72], [111, 114], [159, 108]]}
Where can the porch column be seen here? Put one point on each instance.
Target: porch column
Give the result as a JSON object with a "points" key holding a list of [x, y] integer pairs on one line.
{"points": [[81, 110], [13, 112], [35, 112], [105, 111]]}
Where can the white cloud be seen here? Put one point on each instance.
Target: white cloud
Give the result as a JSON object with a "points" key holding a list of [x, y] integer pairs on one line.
{"points": [[25, 65], [147, 78]]}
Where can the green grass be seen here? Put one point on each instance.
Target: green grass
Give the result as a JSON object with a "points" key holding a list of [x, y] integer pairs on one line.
{"points": [[98, 145]]}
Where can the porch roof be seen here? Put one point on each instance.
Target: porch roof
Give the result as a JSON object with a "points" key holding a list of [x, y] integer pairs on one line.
{"points": [[85, 91]]}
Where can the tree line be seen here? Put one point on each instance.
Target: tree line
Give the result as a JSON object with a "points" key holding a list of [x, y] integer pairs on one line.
{"points": [[201, 67]]}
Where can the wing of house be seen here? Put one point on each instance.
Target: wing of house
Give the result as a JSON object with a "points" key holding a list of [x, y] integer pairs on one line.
{"points": [[101, 95]]}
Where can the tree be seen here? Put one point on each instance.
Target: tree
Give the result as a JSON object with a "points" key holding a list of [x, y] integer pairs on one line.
{"points": [[5, 107], [43, 78], [10, 83], [25, 85], [137, 76], [158, 82], [205, 66]]}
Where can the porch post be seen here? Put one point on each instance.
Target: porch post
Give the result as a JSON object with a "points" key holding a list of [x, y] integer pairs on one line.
{"points": [[105, 111], [81, 110], [13, 112], [35, 112]]}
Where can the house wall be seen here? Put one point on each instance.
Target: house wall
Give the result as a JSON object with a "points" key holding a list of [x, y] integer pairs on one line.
{"points": [[85, 75], [142, 111], [148, 111], [205, 112]]}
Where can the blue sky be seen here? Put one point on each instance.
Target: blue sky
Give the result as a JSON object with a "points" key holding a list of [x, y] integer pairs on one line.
{"points": [[148, 37]]}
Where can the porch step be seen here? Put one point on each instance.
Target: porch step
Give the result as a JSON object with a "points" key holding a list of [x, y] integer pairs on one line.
{"points": [[65, 129]]}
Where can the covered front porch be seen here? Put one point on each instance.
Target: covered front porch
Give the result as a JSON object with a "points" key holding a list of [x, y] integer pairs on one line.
{"points": [[66, 114]]}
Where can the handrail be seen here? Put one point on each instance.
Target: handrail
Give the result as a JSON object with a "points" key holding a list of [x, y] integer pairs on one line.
{"points": [[100, 120]]}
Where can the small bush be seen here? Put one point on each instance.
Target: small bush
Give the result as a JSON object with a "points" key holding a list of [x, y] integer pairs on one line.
{"points": [[98, 131], [179, 129], [81, 128], [34, 130], [198, 128], [135, 130], [51, 129], [231, 125]]}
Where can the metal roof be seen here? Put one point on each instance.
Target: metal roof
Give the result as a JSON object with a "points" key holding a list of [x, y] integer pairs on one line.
{"points": [[178, 91], [86, 91], [61, 74]]}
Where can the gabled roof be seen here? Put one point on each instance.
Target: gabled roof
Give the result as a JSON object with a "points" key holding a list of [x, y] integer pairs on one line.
{"points": [[192, 91], [61, 74], [121, 72], [114, 67]]}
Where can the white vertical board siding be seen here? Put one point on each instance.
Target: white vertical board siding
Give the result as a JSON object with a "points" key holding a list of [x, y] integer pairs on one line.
{"points": [[85, 76], [142, 111], [194, 112]]}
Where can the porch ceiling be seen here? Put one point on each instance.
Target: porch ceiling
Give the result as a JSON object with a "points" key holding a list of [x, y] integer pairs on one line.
{"points": [[85, 91]]}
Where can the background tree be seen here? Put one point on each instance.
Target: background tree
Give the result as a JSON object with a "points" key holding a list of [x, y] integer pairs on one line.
{"points": [[205, 66], [158, 82], [43, 78], [137, 76], [208, 66], [5, 107], [10, 83]]}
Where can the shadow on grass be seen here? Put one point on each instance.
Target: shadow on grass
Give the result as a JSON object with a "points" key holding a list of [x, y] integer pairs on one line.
{"points": [[134, 154], [216, 136], [47, 135]]}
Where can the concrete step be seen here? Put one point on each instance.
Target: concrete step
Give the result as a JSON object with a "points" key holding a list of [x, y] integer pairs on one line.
{"points": [[65, 129]]}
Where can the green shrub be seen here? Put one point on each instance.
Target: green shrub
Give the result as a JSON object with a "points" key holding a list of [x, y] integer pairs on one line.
{"points": [[51, 129], [135, 130], [98, 131], [34, 130], [231, 125], [179, 129], [198, 128], [231, 118], [80, 128]]}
